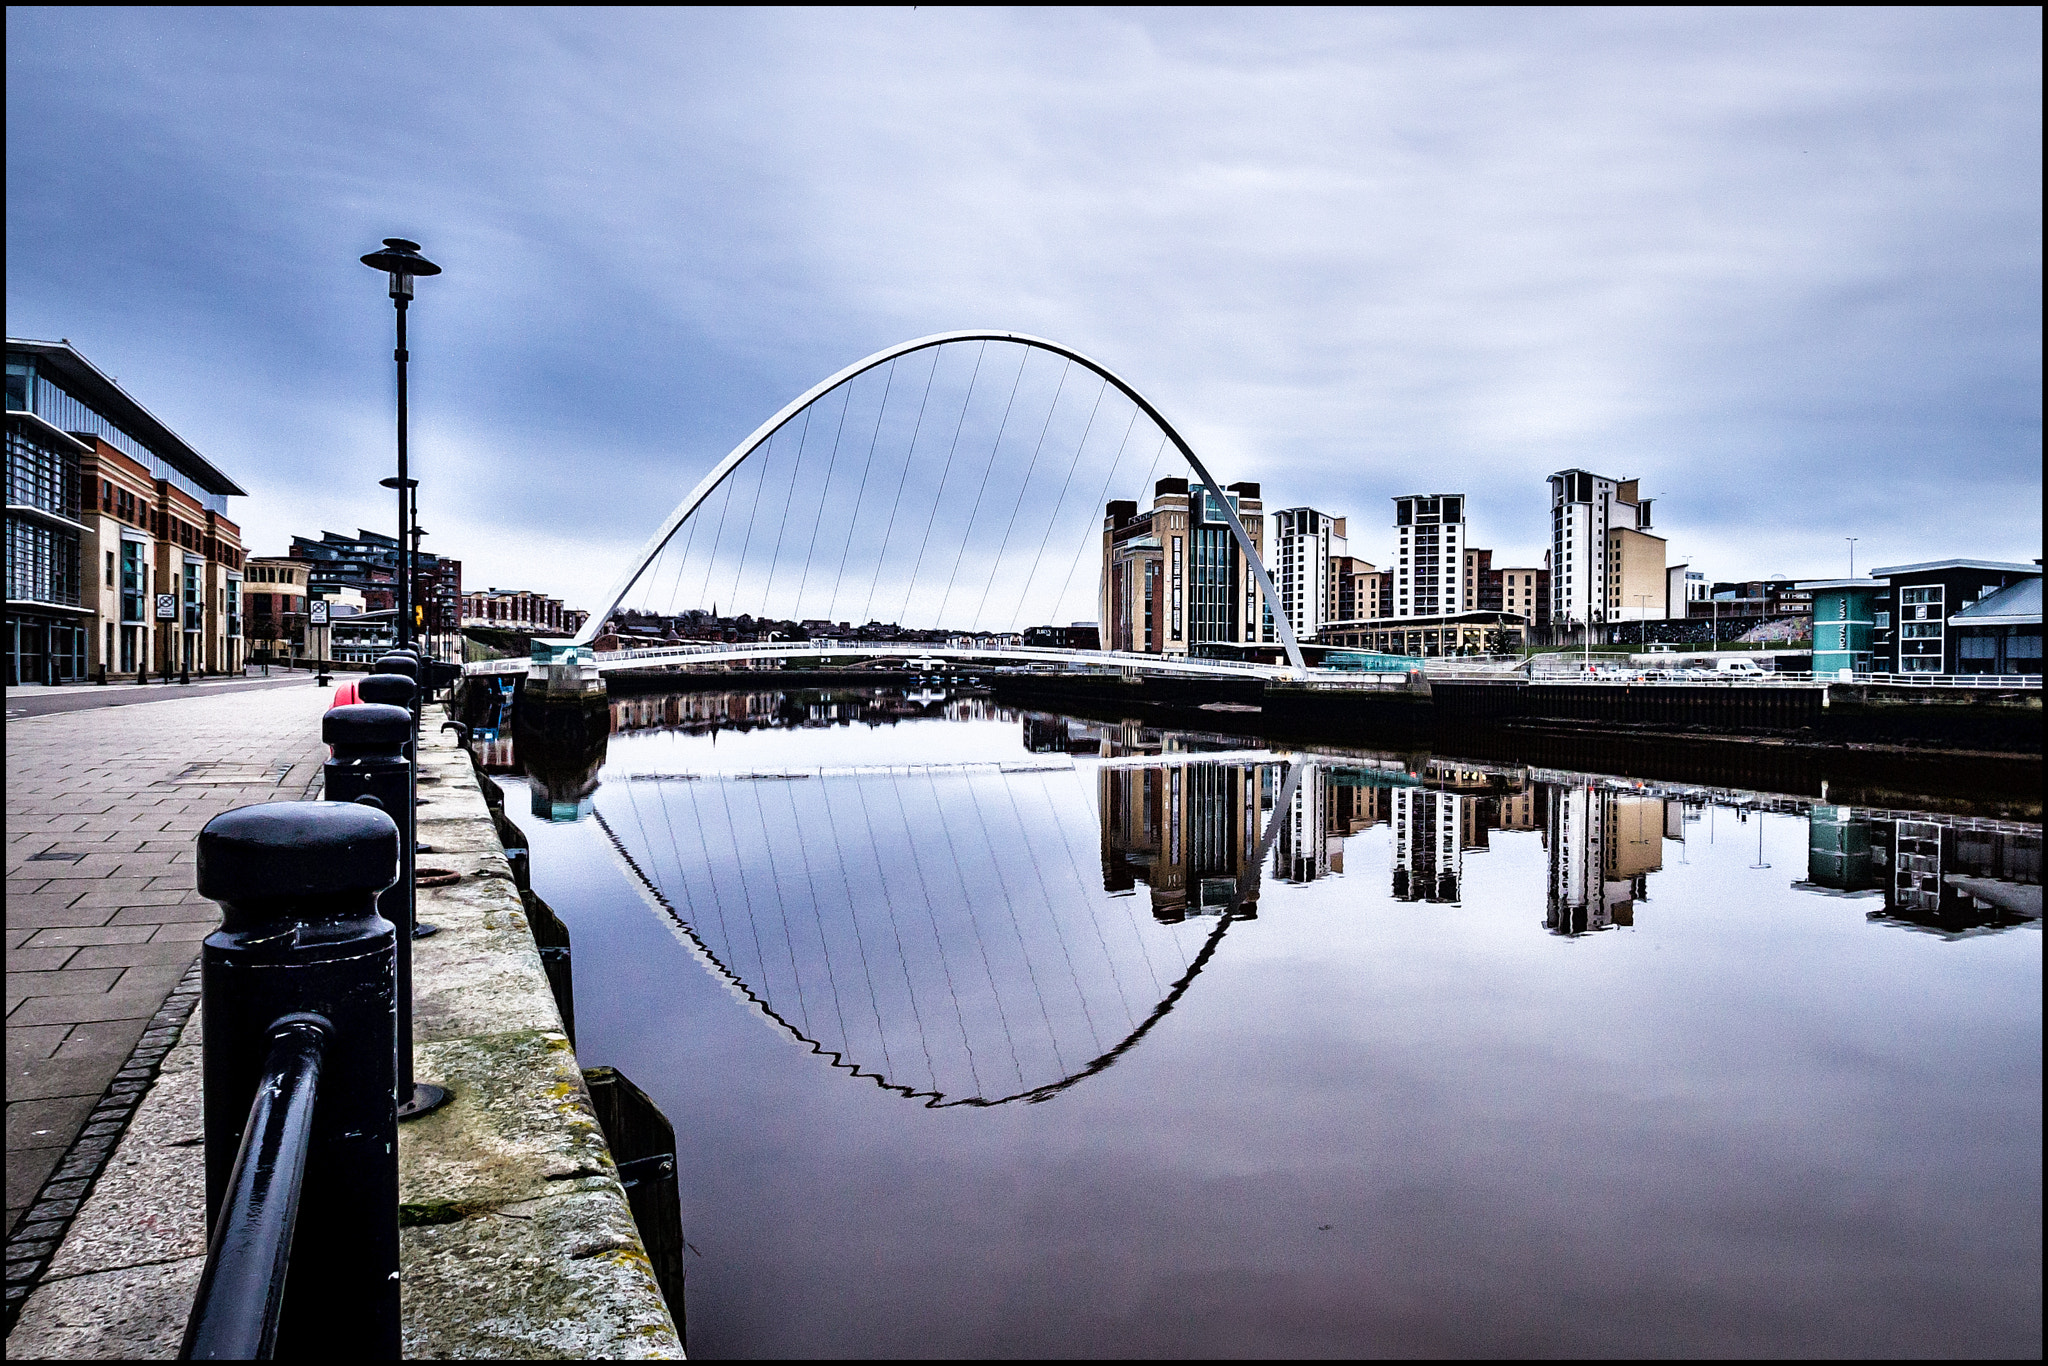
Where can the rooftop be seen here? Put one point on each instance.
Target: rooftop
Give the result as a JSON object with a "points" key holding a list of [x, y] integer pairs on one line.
{"points": [[2002, 566], [2016, 604], [99, 390]]}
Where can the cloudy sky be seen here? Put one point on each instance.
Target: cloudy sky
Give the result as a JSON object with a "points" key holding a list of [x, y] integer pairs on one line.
{"points": [[1784, 266]]}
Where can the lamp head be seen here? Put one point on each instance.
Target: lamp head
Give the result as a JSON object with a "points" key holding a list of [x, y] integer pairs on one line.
{"points": [[401, 260]]}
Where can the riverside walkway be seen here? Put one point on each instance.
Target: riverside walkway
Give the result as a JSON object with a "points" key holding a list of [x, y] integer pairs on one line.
{"points": [[104, 800]]}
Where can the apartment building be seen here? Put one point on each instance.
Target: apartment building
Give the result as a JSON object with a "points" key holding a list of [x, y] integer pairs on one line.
{"points": [[1607, 566], [120, 553], [1428, 567], [1519, 590], [274, 607], [1306, 546], [511, 609]]}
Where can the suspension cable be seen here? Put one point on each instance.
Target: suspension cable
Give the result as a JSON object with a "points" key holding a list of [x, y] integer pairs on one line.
{"points": [[1024, 596], [869, 606], [967, 532], [852, 522], [1089, 532], [944, 475], [1017, 503], [704, 590], [795, 476], [824, 496]]}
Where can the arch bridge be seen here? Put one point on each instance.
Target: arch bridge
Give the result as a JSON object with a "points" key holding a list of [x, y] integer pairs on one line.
{"points": [[941, 481]]}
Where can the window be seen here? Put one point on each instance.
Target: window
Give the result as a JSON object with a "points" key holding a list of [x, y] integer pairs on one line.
{"points": [[133, 589], [1920, 630]]}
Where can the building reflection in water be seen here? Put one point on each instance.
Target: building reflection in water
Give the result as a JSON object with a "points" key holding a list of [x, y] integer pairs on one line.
{"points": [[1949, 875], [942, 929]]}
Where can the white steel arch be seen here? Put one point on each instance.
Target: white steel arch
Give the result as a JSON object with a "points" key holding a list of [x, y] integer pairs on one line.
{"points": [[710, 482]]}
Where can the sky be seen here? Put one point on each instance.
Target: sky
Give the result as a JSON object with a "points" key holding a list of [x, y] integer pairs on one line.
{"points": [[1783, 266]]}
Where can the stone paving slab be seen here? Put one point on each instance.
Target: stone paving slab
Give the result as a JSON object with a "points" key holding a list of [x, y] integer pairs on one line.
{"points": [[102, 915]]}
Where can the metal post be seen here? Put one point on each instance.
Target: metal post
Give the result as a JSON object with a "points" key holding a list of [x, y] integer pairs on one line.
{"points": [[369, 740], [404, 577], [298, 991]]}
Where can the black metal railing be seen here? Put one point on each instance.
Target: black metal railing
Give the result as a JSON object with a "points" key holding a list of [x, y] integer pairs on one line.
{"points": [[299, 990]]}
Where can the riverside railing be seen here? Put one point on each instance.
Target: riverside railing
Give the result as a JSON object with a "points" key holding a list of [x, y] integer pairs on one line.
{"points": [[298, 987]]}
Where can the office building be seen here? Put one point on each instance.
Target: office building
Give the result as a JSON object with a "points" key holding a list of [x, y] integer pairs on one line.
{"points": [[120, 553], [2000, 634], [1930, 598], [274, 609], [1606, 565], [1174, 579]]}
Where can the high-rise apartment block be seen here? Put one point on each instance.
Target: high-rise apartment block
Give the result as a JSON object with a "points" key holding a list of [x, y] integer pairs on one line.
{"points": [[1173, 578], [1606, 565], [1307, 546], [1428, 564]]}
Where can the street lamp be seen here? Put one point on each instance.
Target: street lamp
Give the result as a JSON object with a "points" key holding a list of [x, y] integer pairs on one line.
{"points": [[1852, 553], [401, 260], [426, 631]]}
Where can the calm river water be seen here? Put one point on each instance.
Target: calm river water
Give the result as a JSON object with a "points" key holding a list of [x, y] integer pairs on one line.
{"points": [[1000, 1033]]}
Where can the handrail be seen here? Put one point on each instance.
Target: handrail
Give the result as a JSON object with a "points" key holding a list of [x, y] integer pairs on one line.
{"points": [[241, 1291]]}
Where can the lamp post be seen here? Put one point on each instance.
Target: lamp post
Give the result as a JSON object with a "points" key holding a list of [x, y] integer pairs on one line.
{"points": [[1852, 553], [426, 631], [401, 260]]}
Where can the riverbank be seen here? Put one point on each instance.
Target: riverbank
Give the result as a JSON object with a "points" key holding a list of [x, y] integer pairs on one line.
{"points": [[516, 1237]]}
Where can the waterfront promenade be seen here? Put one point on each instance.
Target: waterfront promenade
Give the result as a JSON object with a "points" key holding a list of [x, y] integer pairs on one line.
{"points": [[104, 801]]}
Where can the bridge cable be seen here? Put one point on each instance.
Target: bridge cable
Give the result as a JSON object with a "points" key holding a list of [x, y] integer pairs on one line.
{"points": [[711, 873], [1045, 891], [1093, 527], [1074, 865], [902, 957], [967, 904], [967, 532], [774, 871], [824, 496], [944, 475], [795, 474], [1017, 928], [852, 522], [868, 608], [817, 914], [739, 864], [853, 915], [675, 589], [1059, 933], [704, 590], [945, 965], [1017, 503], [753, 517], [1024, 595]]}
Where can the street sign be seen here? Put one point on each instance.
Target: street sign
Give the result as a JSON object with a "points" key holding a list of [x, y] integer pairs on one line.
{"points": [[318, 608], [167, 607]]}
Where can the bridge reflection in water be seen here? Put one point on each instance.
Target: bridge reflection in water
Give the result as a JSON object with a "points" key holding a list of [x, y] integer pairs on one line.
{"points": [[936, 928], [975, 933]]}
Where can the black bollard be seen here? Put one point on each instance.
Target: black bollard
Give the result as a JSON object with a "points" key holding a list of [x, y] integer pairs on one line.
{"points": [[369, 740], [397, 690], [298, 989]]}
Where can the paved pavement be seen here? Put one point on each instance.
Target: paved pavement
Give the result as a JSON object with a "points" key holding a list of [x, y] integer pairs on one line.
{"points": [[42, 701], [103, 807]]}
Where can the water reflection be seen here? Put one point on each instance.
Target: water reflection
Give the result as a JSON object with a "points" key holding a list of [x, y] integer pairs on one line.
{"points": [[938, 927]]}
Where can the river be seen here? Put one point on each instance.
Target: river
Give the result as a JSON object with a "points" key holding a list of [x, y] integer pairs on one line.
{"points": [[1003, 1033]]}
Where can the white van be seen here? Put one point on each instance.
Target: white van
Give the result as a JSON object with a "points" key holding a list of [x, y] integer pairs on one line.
{"points": [[1738, 668]]}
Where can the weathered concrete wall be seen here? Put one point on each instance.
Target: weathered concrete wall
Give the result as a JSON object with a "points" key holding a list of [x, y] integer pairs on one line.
{"points": [[516, 1239], [515, 1233]]}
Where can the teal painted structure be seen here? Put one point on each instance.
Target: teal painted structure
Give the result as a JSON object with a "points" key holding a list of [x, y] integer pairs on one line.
{"points": [[1844, 618], [1370, 662]]}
